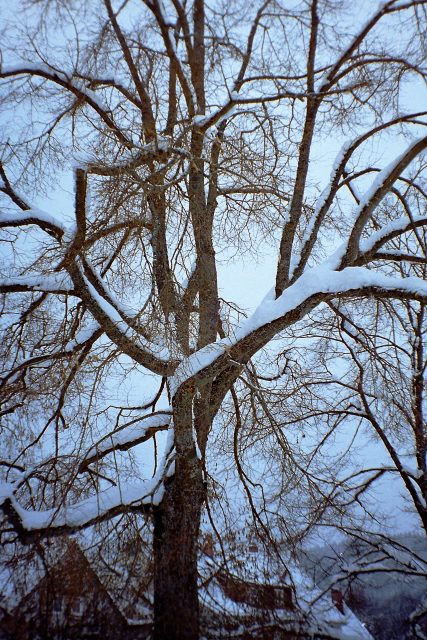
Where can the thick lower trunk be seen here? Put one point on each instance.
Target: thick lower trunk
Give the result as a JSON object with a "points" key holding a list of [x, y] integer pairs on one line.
{"points": [[176, 532]]}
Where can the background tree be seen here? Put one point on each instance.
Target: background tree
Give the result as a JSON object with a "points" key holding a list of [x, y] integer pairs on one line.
{"points": [[194, 131]]}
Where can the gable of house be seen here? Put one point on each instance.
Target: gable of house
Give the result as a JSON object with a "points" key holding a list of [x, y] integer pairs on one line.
{"points": [[70, 603], [267, 603]]}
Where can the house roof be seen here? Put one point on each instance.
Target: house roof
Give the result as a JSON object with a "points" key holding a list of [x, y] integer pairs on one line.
{"points": [[73, 558], [310, 611], [303, 608], [58, 561]]}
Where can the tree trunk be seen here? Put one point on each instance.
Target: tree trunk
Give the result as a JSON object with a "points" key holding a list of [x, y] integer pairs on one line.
{"points": [[176, 531]]}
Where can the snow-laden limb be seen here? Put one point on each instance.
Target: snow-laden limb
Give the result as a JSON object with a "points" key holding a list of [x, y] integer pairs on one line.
{"points": [[405, 556], [323, 203], [198, 361], [394, 256], [150, 355], [83, 336], [419, 498], [32, 67], [121, 440], [368, 247], [74, 85], [80, 514], [320, 282], [370, 199], [216, 116], [159, 150], [158, 351], [373, 196], [45, 71], [126, 311], [390, 231], [384, 174], [230, 107], [38, 217], [59, 283], [104, 504], [130, 435], [323, 279]]}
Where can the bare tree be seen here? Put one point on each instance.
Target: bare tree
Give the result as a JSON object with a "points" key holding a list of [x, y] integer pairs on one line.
{"points": [[365, 371], [202, 124], [389, 392]]}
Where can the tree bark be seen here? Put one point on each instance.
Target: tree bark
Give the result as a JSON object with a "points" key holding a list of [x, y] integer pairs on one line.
{"points": [[176, 532]]}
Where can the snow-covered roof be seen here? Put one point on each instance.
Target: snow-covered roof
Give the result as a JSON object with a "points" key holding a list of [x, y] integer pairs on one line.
{"points": [[308, 611], [28, 576]]}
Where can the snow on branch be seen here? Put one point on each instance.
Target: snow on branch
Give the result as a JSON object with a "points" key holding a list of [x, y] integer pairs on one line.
{"points": [[106, 503], [149, 354], [159, 150], [390, 231], [29, 215], [42, 219], [103, 307], [322, 279], [320, 284], [326, 198], [373, 196], [129, 436], [59, 283], [74, 85]]}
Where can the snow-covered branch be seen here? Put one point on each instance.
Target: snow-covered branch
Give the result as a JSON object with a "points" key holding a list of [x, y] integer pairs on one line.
{"points": [[140, 430], [73, 85], [59, 283], [105, 504]]}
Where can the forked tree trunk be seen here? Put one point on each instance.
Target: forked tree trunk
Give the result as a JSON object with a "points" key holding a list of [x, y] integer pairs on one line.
{"points": [[176, 531]]}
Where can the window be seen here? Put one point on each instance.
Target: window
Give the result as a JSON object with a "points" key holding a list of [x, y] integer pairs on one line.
{"points": [[58, 605], [78, 607], [283, 598]]}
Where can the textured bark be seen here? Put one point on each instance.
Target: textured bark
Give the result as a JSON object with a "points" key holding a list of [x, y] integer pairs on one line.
{"points": [[176, 532]]}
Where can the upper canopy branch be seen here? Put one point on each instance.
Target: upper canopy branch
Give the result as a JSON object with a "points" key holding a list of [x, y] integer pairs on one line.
{"points": [[146, 106], [76, 88], [380, 187], [385, 8], [326, 198], [187, 85]]}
